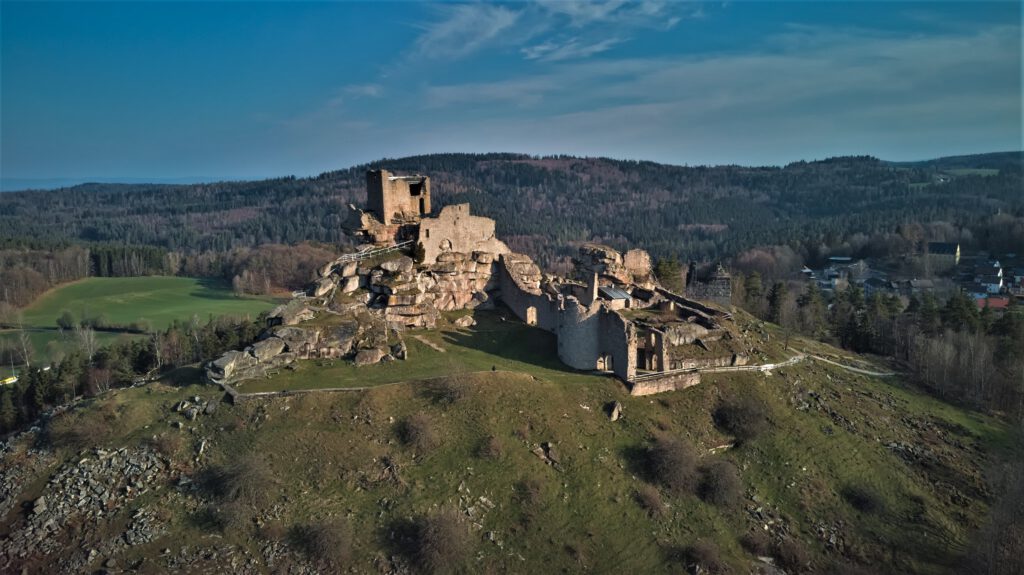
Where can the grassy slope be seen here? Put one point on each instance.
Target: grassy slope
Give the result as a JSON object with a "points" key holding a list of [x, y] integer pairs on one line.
{"points": [[492, 343], [327, 452], [158, 300]]}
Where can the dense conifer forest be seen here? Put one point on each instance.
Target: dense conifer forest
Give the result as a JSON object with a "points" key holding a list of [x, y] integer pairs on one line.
{"points": [[544, 206]]}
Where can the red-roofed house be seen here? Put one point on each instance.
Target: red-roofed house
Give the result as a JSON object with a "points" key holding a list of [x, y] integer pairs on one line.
{"points": [[996, 303]]}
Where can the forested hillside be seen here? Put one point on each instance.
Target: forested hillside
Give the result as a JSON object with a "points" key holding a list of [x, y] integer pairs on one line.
{"points": [[542, 205]]}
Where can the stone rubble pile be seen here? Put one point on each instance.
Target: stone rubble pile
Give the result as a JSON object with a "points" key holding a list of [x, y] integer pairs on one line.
{"points": [[88, 491], [20, 463]]}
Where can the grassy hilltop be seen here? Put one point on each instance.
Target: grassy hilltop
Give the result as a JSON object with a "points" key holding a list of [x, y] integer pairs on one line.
{"points": [[523, 471]]}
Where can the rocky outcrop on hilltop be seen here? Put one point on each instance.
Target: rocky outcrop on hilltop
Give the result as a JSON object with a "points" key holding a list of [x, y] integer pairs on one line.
{"points": [[356, 310], [337, 335], [632, 268]]}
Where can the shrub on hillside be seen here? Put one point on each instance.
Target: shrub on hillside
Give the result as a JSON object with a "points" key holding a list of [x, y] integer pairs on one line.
{"points": [[448, 390], [248, 480], [328, 543], [705, 555], [529, 500], [792, 556], [490, 448], [233, 516], [744, 417], [720, 483], [863, 498], [442, 542], [756, 542], [673, 464], [83, 429], [167, 444], [649, 498], [419, 432]]}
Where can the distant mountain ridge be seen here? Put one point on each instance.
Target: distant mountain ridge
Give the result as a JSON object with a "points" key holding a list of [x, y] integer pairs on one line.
{"points": [[994, 160], [991, 160], [541, 202], [42, 184]]}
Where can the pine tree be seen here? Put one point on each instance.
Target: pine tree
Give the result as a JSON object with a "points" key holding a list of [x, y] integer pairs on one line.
{"points": [[812, 309], [8, 414], [753, 288], [776, 302], [670, 274]]}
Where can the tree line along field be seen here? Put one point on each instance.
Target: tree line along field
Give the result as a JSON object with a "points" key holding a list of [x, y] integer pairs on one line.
{"points": [[149, 303]]}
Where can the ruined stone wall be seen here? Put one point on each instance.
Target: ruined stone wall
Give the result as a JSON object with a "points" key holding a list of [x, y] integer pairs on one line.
{"points": [[717, 290], [668, 382], [456, 230], [618, 337], [709, 283], [633, 268], [705, 314], [391, 197], [519, 280], [579, 335]]}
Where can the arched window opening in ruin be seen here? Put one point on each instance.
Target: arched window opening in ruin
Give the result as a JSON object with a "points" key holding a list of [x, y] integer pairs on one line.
{"points": [[423, 206], [604, 363], [531, 315]]}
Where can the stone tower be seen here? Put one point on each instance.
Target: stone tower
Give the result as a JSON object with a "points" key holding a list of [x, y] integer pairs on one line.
{"points": [[397, 199]]}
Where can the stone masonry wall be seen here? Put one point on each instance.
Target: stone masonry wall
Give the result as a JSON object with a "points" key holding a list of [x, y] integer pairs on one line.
{"points": [[716, 290], [519, 280], [669, 382], [618, 337], [390, 197], [579, 335], [456, 230]]}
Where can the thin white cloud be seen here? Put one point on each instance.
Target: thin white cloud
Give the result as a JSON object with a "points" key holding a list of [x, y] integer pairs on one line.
{"points": [[813, 92], [582, 13], [463, 29], [573, 48], [534, 28], [364, 90]]}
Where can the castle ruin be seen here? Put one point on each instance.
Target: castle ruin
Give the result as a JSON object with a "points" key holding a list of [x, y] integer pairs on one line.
{"points": [[619, 320]]}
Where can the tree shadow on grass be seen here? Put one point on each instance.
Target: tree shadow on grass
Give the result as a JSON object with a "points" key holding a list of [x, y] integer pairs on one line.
{"points": [[214, 289], [184, 376], [400, 538], [638, 461]]}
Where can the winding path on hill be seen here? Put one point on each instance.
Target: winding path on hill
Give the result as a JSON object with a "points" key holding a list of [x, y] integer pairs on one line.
{"points": [[853, 369]]}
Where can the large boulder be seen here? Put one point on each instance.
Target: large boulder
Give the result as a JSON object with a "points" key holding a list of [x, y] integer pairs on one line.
{"points": [[349, 269], [369, 357], [465, 321], [339, 340], [403, 264], [350, 284], [297, 338], [230, 365], [268, 348], [291, 313], [322, 286]]}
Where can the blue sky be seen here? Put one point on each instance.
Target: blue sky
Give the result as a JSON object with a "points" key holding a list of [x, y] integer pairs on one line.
{"points": [[256, 89]]}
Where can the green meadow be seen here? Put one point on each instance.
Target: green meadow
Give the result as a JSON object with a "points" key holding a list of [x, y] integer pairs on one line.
{"points": [[153, 301]]}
